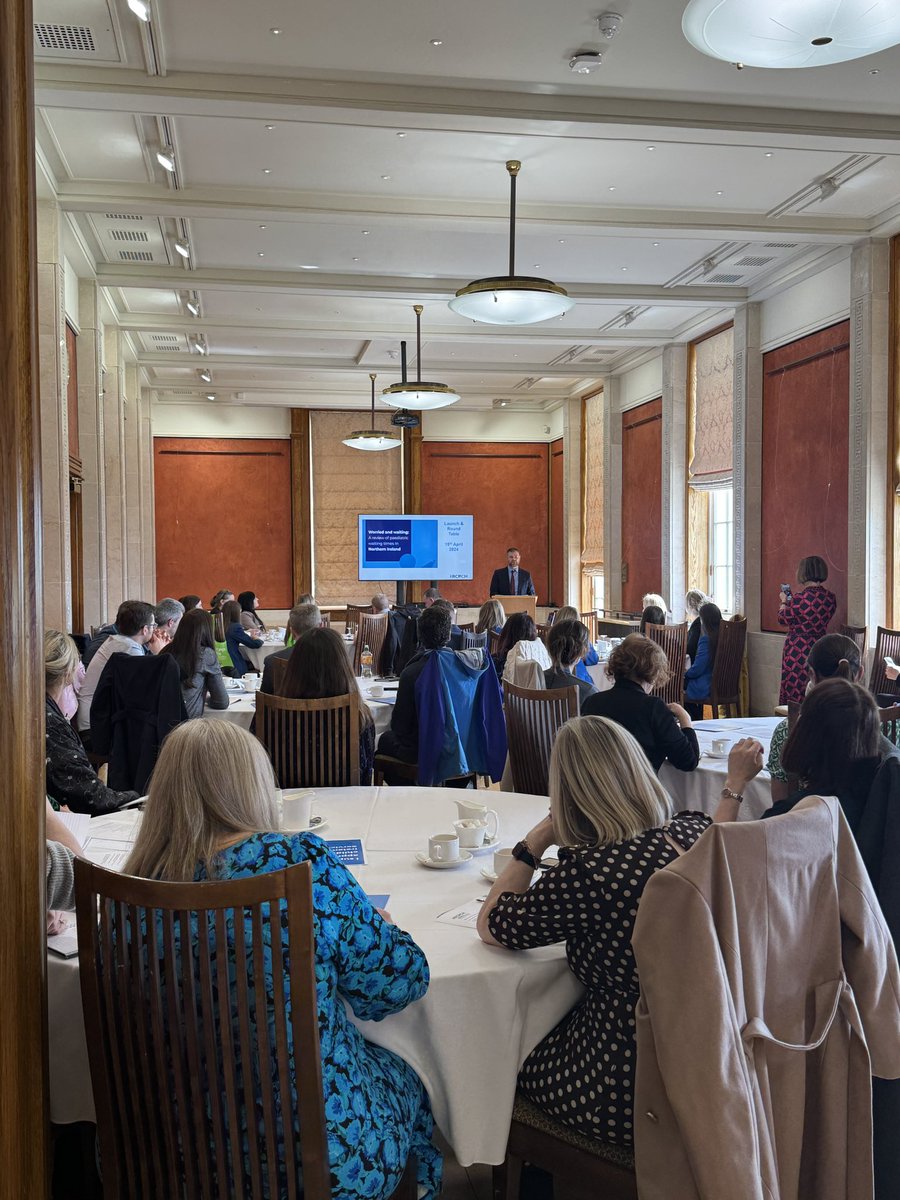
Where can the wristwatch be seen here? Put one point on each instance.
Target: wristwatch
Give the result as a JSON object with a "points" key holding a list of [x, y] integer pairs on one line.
{"points": [[522, 853], [727, 794]]}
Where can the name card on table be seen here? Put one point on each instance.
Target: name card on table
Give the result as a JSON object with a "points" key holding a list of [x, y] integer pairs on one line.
{"points": [[349, 851]]}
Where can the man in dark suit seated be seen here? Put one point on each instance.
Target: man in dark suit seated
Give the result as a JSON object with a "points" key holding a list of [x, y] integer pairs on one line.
{"points": [[512, 580], [301, 618]]}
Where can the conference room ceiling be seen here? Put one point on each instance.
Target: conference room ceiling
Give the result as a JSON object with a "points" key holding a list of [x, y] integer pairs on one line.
{"points": [[334, 173]]}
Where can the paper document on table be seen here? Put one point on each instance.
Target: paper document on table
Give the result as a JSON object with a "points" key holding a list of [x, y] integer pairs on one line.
{"points": [[466, 915], [107, 853], [78, 824], [117, 829]]}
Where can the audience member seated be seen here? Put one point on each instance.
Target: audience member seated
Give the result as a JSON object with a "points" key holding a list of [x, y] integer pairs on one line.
{"points": [[168, 614], [692, 603], [455, 631], [219, 599], [70, 778], [806, 613], [519, 640], [654, 600], [663, 731], [380, 603], [135, 625], [211, 814], [96, 641], [491, 617], [614, 825], [318, 669], [568, 613], [301, 619], [430, 595], [249, 603], [237, 636], [698, 676], [305, 598], [62, 847], [189, 602], [652, 615], [568, 642], [201, 676]]}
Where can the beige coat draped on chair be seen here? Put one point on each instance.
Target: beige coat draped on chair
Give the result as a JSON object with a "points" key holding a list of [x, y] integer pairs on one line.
{"points": [[769, 996]]}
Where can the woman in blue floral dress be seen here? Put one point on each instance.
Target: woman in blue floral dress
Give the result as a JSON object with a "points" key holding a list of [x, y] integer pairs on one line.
{"points": [[211, 814]]}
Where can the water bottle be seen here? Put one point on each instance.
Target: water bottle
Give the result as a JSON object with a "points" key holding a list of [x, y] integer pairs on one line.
{"points": [[365, 663]]}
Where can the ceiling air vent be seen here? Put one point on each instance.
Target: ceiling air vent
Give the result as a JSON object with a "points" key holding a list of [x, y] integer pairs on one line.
{"points": [[754, 260], [165, 339], [141, 235], [135, 256], [180, 392], [724, 279], [64, 37], [781, 245], [123, 216]]}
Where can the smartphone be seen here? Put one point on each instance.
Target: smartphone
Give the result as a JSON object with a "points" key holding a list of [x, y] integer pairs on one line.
{"points": [[786, 588]]}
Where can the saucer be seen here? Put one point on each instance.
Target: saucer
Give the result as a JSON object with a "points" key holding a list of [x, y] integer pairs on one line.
{"points": [[316, 825], [488, 874], [424, 861], [487, 844], [718, 757]]}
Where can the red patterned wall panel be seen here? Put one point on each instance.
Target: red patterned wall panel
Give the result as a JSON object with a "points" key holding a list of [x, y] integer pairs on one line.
{"points": [[805, 464], [641, 502], [504, 485], [223, 517], [557, 525]]}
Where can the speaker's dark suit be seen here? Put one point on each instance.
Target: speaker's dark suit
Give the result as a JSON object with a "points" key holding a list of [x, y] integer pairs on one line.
{"points": [[500, 583]]}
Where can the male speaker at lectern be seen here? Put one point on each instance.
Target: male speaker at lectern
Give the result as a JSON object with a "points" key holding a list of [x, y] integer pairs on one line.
{"points": [[512, 580]]}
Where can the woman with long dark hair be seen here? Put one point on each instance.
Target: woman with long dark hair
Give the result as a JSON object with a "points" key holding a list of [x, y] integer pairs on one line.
{"points": [[201, 676], [698, 677], [249, 603], [518, 641], [318, 669], [236, 636]]}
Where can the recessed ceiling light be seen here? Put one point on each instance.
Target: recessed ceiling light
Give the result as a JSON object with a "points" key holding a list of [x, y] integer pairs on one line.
{"points": [[503, 403], [656, 243], [720, 193], [140, 8], [875, 71], [166, 158], [385, 177], [585, 62], [210, 395], [262, 226], [768, 154], [308, 267], [624, 268], [275, 31], [356, 260], [651, 147], [401, 135], [193, 308], [610, 189], [269, 128], [267, 170], [365, 233], [562, 241], [206, 376], [436, 42], [261, 253], [183, 246], [537, 266]]}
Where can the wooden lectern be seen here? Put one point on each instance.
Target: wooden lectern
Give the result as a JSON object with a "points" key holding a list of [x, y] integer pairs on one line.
{"points": [[514, 604]]}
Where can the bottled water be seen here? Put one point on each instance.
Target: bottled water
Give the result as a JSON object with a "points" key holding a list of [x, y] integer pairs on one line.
{"points": [[365, 663]]}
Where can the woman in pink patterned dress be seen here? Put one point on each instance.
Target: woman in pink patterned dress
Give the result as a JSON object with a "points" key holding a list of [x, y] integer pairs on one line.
{"points": [[806, 614]]}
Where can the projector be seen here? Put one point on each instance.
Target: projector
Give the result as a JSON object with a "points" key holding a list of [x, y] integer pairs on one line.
{"points": [[405, 419]]}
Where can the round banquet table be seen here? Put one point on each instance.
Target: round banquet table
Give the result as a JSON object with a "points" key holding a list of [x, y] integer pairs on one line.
{"points": [[272, 642], [702, 788], [242, 706], [486, 1007]]}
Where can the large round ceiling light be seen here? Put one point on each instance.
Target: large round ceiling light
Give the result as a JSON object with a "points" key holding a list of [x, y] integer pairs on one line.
{"points": [[511, 299], [418, 394], [372, 438], [791, 33]]}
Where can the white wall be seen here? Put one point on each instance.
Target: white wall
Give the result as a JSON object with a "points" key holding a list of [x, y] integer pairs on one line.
{"points": [[813, 304], [641, 383], [220, 421], [495, 425]]}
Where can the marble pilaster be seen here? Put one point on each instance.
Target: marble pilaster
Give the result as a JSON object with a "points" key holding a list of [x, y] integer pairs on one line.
{"points": [[674, 477], [114, 460], [572, 456], [91, 443], [612, 500]]}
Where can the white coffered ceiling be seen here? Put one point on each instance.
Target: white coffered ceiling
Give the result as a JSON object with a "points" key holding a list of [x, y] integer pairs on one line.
{"points": [[334, 173]]}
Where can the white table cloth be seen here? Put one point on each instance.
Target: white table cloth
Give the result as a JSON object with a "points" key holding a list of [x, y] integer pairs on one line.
{"points": [[242, 706], [485, 1010], [272, 642], [702, 788]]}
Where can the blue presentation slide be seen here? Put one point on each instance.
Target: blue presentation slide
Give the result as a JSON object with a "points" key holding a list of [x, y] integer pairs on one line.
{"points": [[415, 547]]}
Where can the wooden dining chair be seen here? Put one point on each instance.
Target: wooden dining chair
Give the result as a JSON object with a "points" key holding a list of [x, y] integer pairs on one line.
{"points": [[354, 612], [858, 634], [673, 639], [887, 644], [469, 627], [279, 670], [311, 743], [474, 641], [371, 631], [590, 619], [725, 688], [493, 642], [533, 719], [325, 620]]}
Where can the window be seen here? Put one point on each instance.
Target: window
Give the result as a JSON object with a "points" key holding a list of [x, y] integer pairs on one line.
{"points": [[597, 591], [721, 548]]}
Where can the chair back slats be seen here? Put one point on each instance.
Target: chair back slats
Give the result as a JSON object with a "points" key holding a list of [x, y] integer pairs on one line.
{"points": [[325, 619], [190, 1051], [371, 631], [887, 645], [673, 639], [725, 689], [354, 612], [469, 627], [493, 642], [533, 719], [858, 634], [474, 641], [311, 743], [590, 619]]}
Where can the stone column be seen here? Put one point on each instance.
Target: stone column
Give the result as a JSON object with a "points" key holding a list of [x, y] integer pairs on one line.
{"points": [[148, 498], [93, 459], [572, 500], [56, 557], [674, 477], [114, 460], [747, 435], [131, 402], [870, 452], [612, 498]]}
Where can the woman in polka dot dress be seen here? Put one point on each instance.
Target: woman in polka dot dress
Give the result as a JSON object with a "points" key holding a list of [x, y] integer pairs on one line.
{"points": [[613, 822]]}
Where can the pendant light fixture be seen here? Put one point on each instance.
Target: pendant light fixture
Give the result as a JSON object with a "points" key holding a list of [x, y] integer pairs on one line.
{"points": [[372, 439], [512, 299], [790, 33], [418, 394]]}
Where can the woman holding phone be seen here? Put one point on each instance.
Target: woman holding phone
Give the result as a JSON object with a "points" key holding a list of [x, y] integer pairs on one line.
{"points": [[806, 613]]}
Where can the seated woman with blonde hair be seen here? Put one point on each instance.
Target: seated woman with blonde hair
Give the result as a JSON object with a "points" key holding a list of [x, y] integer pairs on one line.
{"points": [[211, 814], [615, 827], [491, 617], [663, 731]]}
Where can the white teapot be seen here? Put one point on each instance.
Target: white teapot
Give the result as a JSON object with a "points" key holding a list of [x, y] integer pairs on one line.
{"points": [[471, 810]]}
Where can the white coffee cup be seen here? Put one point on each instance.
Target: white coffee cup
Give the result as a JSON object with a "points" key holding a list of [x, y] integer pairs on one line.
{"points": [[296, 809], [443, 847], [721, 746], [502, 859], [471, 833], [376, 691]]}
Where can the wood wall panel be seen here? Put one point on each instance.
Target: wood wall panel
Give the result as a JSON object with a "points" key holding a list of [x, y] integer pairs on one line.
{"points": [[805, 464], [72, 391], [557, 525], [641, 502], [505, 486], [223, 517]]}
